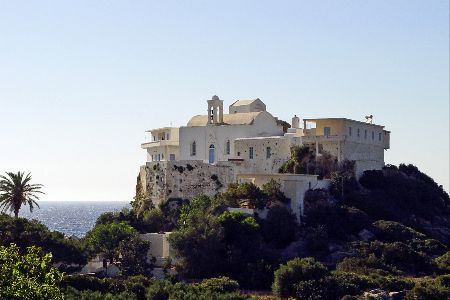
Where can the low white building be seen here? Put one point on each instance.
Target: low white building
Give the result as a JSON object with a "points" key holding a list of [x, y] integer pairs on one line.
{"points": [[98, 265], [159, 247], [294, 186], [163, 144]]}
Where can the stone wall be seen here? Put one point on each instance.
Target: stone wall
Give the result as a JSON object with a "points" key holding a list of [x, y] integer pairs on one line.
{"points": [[159, 181], [260, 163]]}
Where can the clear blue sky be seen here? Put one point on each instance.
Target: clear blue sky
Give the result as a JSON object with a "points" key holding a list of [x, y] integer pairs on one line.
{"points": [[80, 81]]}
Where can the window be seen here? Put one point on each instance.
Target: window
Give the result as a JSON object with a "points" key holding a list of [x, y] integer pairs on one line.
{"points": [[154, 138], [373, 135], [159, 157], [250, 152], [227, 148], [212, 154], [162, 156], [379, 136], [239, 154], [193, 149], [326, 131], [357, 132], [152, 157], [167, 136], [268, 152], [172, 157], [350, 131], [365, 133]]}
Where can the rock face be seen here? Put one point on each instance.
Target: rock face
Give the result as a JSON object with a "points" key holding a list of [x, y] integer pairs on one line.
{"points": [[366, 235], [159, 181]]}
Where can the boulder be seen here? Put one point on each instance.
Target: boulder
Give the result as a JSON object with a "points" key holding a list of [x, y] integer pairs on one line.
{"points": [[366, 235], [397, 295], [376, 294]]}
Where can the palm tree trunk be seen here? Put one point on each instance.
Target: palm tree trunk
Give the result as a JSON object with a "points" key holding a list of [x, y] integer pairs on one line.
{"points": [[16, 213]]}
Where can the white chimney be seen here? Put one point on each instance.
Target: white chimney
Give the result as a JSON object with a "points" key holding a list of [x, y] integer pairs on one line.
{"points": [[295, 122]]}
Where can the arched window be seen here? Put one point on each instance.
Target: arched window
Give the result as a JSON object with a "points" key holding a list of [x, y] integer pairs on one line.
{"points": [[212, 155], [193, 148], [227, 147]]}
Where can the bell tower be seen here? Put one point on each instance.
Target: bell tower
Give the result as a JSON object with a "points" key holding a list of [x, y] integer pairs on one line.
{"points": [[215, 110]]}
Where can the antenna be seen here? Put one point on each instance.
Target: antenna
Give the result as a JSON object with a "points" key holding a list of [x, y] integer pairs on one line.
{"points": [[369, 119]]}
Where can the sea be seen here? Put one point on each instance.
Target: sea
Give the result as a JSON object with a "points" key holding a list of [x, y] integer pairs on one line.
{"points": [[73, 218]]}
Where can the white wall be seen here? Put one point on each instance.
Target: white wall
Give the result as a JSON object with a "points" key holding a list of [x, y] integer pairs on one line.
{"points": [[263, 125]]}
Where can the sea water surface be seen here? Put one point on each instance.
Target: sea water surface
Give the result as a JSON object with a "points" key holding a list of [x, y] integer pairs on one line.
{"points": [[71, 217]]}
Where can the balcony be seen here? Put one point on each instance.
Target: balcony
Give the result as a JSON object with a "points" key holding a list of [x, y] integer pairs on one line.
{"points": [[159, 143], [322, 138]]}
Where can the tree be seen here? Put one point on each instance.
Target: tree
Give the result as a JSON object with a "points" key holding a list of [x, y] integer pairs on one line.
{"points": [[443, 262], [27, 276], [105, 239], [134, 256], [295, 271], [25, 233], [198, 240], [154, 220], [273, 191], [245, 192], [279, 227], [16, 190]]}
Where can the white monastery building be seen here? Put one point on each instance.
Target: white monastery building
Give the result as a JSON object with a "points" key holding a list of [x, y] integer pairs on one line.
{"points": [[250, 144]]}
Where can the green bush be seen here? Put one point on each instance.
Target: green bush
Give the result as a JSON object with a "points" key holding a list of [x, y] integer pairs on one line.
{"points": [[391, 231], [373, 179], [128, 216], [154, 220], [198, 241], [374, 280], [26, 233], [294, 271], [443, 262], [214, 288], [133, 256], [105, 239], [219, 285], [159, 290], [27, 276], [362, 282], [392, 283], [405, 258], [339, 222], [325, 288], [246, 191], [83, 282], [73, 294], [393, 257], [398, 193], [430, 247], [317, 239], [360, 265], [431, 289], [279, 228], [137, 285], [273, 191]]}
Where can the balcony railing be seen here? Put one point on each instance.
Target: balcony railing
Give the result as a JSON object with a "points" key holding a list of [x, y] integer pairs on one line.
{"points": [[321, 138], [159, 143]]}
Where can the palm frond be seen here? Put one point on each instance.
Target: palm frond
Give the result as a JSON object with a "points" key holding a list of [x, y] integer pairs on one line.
{"points": [[16, 190]]}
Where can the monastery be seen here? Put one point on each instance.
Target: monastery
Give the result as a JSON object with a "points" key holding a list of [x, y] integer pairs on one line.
{"points": [[249, 144]]}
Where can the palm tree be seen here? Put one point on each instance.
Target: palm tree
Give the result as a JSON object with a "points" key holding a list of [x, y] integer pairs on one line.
{"points": [[16, 190]]}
